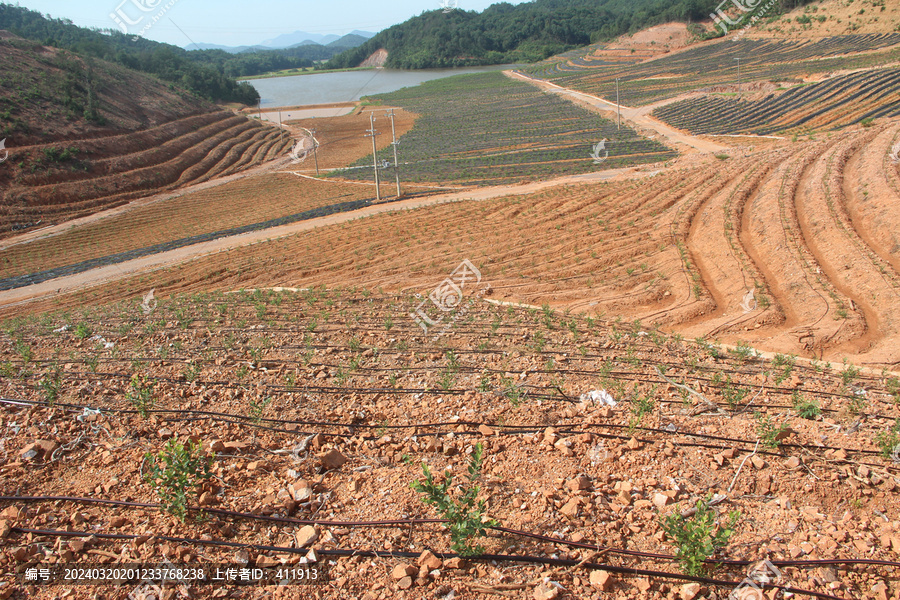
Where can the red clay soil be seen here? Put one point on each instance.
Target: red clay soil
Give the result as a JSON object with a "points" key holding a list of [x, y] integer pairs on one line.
{"points": [[318, 409], [681, 249]]}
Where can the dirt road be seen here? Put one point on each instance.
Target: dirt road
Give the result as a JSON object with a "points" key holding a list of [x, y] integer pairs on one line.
{"points": [[166, 259], [639, 118]]}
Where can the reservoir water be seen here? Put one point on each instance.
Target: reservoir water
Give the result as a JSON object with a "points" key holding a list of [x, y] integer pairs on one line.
{"points": [[347, 86]]}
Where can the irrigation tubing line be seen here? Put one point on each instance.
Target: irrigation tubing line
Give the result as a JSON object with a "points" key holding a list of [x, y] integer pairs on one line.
{"points": [[632, 344], [402, 522], [459, 392], [508, 429], [560, 562], [619, 375], [439, 392]]}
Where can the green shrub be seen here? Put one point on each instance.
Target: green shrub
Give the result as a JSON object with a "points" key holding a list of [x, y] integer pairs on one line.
{"points": [[464, 513], [698, 537], [175, 471]]}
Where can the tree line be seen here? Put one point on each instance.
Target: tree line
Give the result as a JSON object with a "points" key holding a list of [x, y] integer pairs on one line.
{"points": [[527, 32], [210, 74]]}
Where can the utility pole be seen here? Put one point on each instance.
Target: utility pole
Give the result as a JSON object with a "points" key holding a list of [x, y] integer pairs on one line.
{"points": [[280, 128], [394, 144], [372, 134], [739, 77], [618, 107]]}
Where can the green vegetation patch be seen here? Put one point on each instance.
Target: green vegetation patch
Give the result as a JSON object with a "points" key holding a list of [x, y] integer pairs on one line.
{"points": [[488, 129]]}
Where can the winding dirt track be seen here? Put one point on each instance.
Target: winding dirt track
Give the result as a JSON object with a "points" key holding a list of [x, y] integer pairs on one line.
{"points": [[639, 118], [166, 259], [793, 248]]}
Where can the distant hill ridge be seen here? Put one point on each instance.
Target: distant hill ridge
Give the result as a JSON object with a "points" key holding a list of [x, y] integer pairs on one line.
{"points": [[293, 40]]}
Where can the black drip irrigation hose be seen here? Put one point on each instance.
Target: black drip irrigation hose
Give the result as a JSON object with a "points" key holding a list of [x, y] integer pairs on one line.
{"points": [[508, 429], [560, 562], [618, 375], [403, 522]]}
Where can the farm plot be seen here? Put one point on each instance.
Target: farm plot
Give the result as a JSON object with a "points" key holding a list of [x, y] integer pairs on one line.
{"points": [[261, 201], [488, 129], [53, 183], [832, 104], [302, 422], [264, 200], [714, 64], [751, 247]]}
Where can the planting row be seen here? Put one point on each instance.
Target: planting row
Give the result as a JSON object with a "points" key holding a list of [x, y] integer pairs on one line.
{"points": [[834, 103], [714, 64], [488, 128]]}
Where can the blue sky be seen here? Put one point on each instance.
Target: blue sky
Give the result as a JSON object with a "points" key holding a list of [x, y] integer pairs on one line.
{"points": [[246, 22]]}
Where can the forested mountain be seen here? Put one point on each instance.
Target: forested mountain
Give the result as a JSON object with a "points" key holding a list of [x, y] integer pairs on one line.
{"points": [[193, 71], [527, 32], [208, 73]]}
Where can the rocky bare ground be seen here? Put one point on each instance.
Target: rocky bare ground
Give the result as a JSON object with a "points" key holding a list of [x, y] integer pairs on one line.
{"points": [[320, 407]]}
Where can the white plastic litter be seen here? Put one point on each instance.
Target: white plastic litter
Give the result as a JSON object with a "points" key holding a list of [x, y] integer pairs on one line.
{"points": [[149, 304], [748, 303], [61, 329], [601, 397], [89, 414], [103, 341]]}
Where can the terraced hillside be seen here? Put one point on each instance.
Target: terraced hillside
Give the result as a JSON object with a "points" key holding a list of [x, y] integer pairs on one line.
{"points": [[837, 102], [228, 206], [54, 184], [711, 65], [752, 248], [315, 411], [111, 136], [489, 129]]}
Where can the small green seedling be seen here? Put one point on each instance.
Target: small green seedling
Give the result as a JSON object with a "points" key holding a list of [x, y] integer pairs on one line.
{"points": [[140, 395], [770, 434], [464, 513], [175, 472], [83, 331], [51, 385], [258, 408], [888, 441], [807, 409], [698, 537]]}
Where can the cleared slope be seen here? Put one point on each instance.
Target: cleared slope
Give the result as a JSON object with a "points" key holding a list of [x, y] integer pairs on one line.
{"points": [[84, 136], [680, 249]]}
